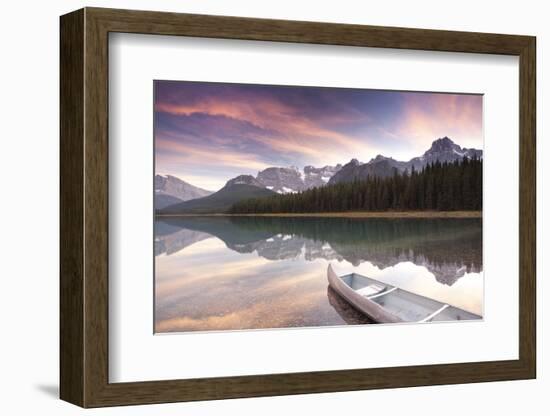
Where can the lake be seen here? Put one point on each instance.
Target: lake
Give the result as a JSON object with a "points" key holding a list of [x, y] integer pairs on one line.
{"points": [[231, 273]]}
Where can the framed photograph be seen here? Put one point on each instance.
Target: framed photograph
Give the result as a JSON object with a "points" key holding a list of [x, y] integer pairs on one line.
{"points": [[260, 207]]}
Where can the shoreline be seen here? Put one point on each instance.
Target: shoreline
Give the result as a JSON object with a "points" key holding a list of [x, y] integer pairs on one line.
{"points": [[355, 214]]}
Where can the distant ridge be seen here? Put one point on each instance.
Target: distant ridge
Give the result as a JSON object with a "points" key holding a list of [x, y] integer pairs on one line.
{"points": [[442, 150], [170, 190], [281, 180], [235, 190]]}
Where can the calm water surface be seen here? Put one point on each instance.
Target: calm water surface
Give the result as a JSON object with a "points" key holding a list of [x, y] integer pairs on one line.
{"points": [[218, 273]]}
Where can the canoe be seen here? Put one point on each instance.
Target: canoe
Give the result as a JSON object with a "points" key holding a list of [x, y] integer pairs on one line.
{"points": [[384, 303]]}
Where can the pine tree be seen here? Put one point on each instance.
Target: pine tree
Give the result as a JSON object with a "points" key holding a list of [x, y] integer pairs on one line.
{"points": [[438, 186]]}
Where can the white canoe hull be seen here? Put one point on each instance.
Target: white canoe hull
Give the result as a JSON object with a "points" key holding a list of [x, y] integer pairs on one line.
{"points": [[384, 303]]}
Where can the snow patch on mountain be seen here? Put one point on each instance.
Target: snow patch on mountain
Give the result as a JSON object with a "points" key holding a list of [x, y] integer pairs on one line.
{"points": [[442, 150], [289, 180]]}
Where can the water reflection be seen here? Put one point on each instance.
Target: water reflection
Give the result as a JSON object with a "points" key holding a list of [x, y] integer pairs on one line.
{"points": [[350, 315], [267, 272], [448, 248]]}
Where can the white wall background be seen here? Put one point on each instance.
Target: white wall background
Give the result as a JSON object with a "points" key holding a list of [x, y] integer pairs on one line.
{"points": [[29, 221]]}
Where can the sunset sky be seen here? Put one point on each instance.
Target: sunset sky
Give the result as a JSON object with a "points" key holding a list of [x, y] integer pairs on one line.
{"points": [[208, 133]]}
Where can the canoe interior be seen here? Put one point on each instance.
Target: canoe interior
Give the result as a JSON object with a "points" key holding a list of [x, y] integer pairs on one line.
{"points": [[407, 306]]}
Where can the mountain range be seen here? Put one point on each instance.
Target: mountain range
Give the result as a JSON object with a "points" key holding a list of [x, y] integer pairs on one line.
{"points": [[442, 150], [286, 180], [235, 190], [170, 190], [174, 196]]}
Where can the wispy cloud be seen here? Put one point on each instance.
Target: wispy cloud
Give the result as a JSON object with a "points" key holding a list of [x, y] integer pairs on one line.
{"points": [[300, 134], [180, 152], [429, 116], [221, 128]]}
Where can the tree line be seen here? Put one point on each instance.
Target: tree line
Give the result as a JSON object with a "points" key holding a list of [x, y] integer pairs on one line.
{"points": [[447, 186]]}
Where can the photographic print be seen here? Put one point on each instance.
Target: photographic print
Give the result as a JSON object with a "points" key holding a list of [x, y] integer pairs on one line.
{"points": [[297, 206]]}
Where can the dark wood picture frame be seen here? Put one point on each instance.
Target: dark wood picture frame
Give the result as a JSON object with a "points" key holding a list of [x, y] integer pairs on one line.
{"points": [[84, 207]]}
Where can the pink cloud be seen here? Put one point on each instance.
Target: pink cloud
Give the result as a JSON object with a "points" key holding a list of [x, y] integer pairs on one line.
{"points": [[428, 117], [302, 135], [182, 153]]}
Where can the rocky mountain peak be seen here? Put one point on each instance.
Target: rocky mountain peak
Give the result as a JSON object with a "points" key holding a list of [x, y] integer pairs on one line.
{"points": [[443, 144], [379, 158], [170, 189], [244, 180], [291, 179], [317, 177], [442, 150], [281, 180]]}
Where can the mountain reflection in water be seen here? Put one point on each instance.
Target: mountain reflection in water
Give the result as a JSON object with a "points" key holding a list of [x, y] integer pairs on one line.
{"points": [[217, 273]]}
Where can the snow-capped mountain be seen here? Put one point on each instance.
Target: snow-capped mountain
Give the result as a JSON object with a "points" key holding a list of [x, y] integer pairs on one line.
{"points": [[442, 150], [244, 180], [315, 177], [171, 190], [282, 180], [268, 182], [287, 180]]}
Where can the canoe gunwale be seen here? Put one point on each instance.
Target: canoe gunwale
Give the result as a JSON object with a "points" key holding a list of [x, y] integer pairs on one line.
{"points": [[378, 313], [370, 308]]}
